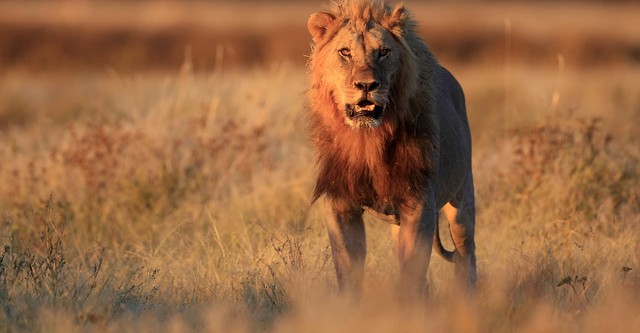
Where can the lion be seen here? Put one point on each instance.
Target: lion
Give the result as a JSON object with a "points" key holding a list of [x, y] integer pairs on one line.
{"points": [[392, 138]]}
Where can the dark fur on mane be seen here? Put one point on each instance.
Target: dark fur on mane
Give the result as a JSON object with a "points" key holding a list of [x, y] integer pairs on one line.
{"points": [[395, 168], [388, 165]]}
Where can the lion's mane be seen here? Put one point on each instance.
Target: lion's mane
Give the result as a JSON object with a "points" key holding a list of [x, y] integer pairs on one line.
{"points": [[391, 163]]}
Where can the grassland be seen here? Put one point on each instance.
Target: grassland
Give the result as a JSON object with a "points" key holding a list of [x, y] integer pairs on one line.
{"points": [[178, 201], [143, 35]]}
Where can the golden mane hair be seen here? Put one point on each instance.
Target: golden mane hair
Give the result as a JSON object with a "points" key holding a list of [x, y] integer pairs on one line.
{"points": [[391, 163]]}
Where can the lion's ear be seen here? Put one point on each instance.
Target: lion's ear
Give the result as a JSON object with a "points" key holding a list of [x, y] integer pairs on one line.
{"points": [[399, 20], [318, 24]]}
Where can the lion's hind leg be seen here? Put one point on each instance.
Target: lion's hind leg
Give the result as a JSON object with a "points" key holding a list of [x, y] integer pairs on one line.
{"points": [[460, 213]]}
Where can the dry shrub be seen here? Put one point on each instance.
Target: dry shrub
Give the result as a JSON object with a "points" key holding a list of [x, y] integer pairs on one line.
{"points": [[182, 205], [132, 204], [39, 271], [579, 162], [114, 160], [562, 147], [96, 151], [568, 198], [36, 268]]}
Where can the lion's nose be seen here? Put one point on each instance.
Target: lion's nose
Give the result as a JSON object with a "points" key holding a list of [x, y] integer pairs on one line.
{"points": [[367, 86]]}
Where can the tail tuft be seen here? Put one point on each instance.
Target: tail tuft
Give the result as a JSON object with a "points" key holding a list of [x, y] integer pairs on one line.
{"points": [[437, 245]]}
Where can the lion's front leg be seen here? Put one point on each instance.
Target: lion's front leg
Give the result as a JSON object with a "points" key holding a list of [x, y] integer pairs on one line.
{"points": [[348, 244], [414, 241]]}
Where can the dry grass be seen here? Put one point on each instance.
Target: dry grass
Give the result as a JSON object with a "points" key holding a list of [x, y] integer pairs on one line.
{"points": [[179, 201]]}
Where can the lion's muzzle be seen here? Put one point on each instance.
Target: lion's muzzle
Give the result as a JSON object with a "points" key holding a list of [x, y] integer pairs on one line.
{"points": [[364, 108]]}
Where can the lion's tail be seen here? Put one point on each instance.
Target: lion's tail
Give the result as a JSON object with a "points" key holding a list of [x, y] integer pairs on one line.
{"points": [[437, 245]]}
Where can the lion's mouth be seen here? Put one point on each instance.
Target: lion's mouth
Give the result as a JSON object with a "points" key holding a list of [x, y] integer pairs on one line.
{"points": [[364, 108]]}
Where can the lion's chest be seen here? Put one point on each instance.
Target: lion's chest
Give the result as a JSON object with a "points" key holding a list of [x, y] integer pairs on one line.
{"points": [[382, 189], [368, 171]]}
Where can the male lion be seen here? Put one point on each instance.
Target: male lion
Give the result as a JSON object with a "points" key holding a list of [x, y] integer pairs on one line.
{"points": [[390, 127]]}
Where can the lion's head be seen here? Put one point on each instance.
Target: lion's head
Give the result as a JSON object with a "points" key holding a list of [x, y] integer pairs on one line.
{"points": [[361, 60], [370, 102]]}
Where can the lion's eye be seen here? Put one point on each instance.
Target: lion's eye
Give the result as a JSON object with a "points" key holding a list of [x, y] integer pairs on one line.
{"points": [[383, 52], [345, 52]]}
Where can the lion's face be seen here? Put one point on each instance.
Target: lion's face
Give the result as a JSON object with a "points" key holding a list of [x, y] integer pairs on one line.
{"points": [[362, 71], [360, 62]]}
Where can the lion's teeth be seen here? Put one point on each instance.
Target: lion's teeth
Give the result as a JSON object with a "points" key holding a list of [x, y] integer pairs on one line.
{"points": [[365, 108]]}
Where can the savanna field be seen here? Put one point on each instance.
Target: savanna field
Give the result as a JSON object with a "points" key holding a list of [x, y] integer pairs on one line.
{"points": [[156, 175]]}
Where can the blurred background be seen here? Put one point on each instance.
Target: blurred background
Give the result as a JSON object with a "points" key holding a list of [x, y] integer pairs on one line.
{"points": [[155, 175], [154, 35]]}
